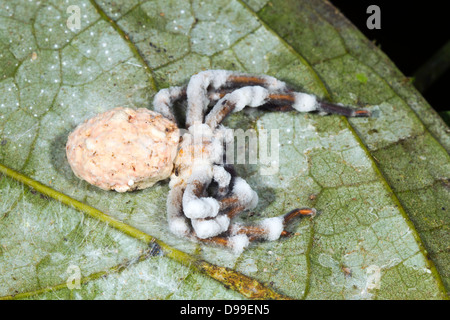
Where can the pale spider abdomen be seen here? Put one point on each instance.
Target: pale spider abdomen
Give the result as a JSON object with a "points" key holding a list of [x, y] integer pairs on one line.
{"points": [[123, 149]]}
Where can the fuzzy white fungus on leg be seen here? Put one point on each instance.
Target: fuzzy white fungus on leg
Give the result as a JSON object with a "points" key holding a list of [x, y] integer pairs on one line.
{"points": [[246, 196], [223, 179], [178, 223], [164, 99], [197, 92], [196, 208], [207, 228], [274, 84], [242, 79], [235, 101], [197, 89], [305, 102], [273, 228], [194, 205], [247, 96], [238, 243], [221, 176]]}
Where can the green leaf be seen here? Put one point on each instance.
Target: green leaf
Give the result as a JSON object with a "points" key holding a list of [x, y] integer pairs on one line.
{"points": [[361, 78], [381, 184]]}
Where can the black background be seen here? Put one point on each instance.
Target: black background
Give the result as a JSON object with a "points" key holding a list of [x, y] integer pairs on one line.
{"points": [[411, 32]]}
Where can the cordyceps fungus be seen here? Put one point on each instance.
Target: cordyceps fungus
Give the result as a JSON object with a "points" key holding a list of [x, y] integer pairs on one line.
{"points": [[125, 149]]}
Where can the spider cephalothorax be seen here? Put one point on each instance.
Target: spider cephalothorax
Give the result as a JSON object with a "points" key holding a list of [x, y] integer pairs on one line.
{"points": [[125, 149]]}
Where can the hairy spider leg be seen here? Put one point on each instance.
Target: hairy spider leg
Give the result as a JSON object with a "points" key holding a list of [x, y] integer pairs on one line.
{"points": [[196, 204], [202, 226], [212, 85], [256, 96], [191, 213], [239, 236], [286, 101], [209, 216], [202, 210], [224, 180], [241, 197], [199, 84], [178, 223], [165, 98]]}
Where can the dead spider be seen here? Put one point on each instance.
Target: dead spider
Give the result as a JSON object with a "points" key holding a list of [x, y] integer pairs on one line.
{"points": [[125, 149]]}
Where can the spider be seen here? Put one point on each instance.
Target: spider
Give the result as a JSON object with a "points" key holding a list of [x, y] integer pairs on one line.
{"points": [[206, 194]]}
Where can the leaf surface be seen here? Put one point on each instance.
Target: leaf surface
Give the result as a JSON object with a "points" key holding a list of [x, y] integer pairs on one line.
{"points": [[381, 184]]}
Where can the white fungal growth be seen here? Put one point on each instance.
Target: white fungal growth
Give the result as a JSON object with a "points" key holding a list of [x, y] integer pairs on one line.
{"points": [[218, 77], [221, 176], [273, 227], [274, 84], [164, 99], [215, 150], [200, 130], [207, 228], [179, 226], [305, 102], [197, 91], [238, 243], [195, 207], [224, 134], [200, 207], [247, 197], [247, 96]]}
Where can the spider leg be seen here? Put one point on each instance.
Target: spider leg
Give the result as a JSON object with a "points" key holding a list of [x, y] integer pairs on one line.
{"points": [[256, 96], [239, 80], [272, 228], [165, 98], [190, 213], [199, 84], [269, 229], [253, 96], [203, 211], [223, 179], [212, 221], [241, 198], [182, 226], [195, 204], [238, 236], [212, 85], [178, 223], [303, 102]]}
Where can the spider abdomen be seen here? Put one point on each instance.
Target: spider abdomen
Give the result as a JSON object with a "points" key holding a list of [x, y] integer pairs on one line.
{"points": [[123, 149]]}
